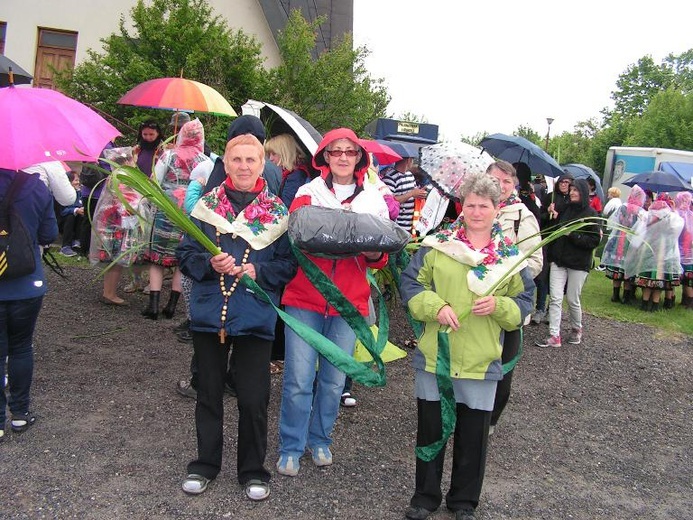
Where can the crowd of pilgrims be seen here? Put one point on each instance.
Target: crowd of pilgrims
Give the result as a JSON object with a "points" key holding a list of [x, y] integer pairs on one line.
{"points": [[241, 200]]}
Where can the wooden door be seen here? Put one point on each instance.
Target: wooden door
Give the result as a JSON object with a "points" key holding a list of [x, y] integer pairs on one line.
{"points": [[56, 52]]}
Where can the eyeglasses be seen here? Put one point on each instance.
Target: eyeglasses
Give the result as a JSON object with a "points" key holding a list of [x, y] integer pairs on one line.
{"points": [[338, 153]]}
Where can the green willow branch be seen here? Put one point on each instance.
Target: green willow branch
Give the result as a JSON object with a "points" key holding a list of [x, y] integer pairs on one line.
{"points": [[138, 181]]}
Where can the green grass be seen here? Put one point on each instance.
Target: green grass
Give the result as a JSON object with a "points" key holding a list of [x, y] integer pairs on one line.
{"points": [[596, 300]]}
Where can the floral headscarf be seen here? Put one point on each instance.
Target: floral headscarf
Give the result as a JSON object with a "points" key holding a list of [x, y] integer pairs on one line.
{"points": [[190, 143]]}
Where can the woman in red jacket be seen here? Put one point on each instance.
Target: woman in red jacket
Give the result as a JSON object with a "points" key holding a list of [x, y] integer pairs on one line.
{"points": [[307, 418]]}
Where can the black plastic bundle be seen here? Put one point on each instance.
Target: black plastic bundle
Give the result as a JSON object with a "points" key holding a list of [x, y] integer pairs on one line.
{"points": [[338, 232]]}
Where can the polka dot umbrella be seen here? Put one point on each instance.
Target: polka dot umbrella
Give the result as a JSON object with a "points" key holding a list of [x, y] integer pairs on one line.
{"points": [[448, 163]]}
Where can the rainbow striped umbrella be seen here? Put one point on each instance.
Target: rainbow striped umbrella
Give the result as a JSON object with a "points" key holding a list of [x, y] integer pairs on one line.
{"points": [[178, 94]]}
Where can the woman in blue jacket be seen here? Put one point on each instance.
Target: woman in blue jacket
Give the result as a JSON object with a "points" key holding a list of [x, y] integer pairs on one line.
{"points": [[21, 299], [248, 224]]}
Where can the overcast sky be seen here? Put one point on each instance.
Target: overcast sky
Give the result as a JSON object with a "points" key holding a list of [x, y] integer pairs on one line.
{"points": [[492, 66]]}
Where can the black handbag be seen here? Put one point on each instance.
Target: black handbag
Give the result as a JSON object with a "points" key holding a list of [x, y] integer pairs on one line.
{"points": [[17, 251]]}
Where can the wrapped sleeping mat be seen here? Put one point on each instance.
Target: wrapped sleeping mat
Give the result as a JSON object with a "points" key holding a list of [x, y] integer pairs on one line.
{"points": [[339, 232]]}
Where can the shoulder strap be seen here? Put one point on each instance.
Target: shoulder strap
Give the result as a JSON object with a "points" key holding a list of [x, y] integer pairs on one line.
{"points": [[19, 179]]}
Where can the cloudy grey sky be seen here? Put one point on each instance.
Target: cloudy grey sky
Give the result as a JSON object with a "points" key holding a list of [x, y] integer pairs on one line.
{"points": [[472, 67]]}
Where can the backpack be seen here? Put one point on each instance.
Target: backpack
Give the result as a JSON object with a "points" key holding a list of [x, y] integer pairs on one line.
{"points": [[17, 254]]}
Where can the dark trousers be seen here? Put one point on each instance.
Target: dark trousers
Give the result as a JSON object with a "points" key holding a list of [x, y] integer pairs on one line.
{"points": [[85, 228], [229, 379], [468, 457], [511, 346], [251, 358], [17, 324], [278, 346], [72, 228], [542, 283]]}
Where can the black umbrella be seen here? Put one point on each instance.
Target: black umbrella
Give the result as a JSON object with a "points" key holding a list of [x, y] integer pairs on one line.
{"points": [[278, 120], [658, 181], [19, 75], [513, 148]]}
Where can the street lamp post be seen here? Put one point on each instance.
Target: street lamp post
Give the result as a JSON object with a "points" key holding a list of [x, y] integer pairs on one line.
{"points": [[549, 120]]}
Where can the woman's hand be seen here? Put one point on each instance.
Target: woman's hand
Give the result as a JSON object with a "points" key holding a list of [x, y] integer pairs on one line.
{"points": [[446, 316], [484, 306], [552, 211], [223, 263], [248, 269]]}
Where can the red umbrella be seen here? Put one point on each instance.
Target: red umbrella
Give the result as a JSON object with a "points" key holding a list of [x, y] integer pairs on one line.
{"points": [[40, 125], [382, 152], [178, 94]]}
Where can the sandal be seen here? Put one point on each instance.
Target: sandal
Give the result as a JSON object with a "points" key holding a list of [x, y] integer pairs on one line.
{"points": [[276, 367], [195, 484], [347, 400], [257, 490], [21, 423]]}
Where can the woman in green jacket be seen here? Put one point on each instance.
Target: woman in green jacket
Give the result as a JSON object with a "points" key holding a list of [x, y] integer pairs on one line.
{"points": [[444, 287]]}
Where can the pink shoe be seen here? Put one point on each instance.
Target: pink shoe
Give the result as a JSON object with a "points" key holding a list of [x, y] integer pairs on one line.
{"points": [[551, 341]]}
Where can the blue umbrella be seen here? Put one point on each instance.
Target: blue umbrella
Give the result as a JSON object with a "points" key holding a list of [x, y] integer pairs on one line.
{"points": [[658, 181], [513, 148], [404, 150], [580, 171]]}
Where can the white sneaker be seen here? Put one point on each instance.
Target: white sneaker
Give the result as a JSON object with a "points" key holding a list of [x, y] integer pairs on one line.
{"points": [[538, 317]]}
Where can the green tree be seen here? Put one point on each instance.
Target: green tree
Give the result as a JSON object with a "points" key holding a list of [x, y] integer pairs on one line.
{"points": [[169, 38], [331, 91], [638, 85], [412, 117], [682, 65], [530, 134], [667, 122]]}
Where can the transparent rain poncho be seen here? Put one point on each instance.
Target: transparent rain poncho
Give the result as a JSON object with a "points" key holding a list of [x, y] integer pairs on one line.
{"points": [[683, 209], [654, 251], [621, 222]]}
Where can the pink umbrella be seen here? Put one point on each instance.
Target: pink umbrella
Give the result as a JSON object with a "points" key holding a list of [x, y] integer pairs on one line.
{"points": [[39, 125], [382, 152]]}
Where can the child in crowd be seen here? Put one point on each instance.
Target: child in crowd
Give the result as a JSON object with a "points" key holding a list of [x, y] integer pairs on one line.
{"points": [[70, 219]]}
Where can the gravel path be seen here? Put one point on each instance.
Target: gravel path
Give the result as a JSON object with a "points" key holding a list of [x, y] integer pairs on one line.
{"points": [[600, 430]]}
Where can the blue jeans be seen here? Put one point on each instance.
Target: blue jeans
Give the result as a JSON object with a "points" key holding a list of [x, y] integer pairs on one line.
{"points": [[17, 324], [307, 418]]}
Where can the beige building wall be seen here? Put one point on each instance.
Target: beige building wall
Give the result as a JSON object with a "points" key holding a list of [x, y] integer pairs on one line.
{"points": [[96, 19]]}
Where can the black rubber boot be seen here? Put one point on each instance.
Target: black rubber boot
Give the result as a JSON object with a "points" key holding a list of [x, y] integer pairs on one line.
{"points": [[628, 295], [684, 300], [616, 296], [151, 312], [170, 308], [669, 303], [655, 306], [645, 305]]}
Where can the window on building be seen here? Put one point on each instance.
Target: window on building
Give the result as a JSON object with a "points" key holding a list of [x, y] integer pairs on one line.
{"points": [[55, 53], [3, 31]]}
